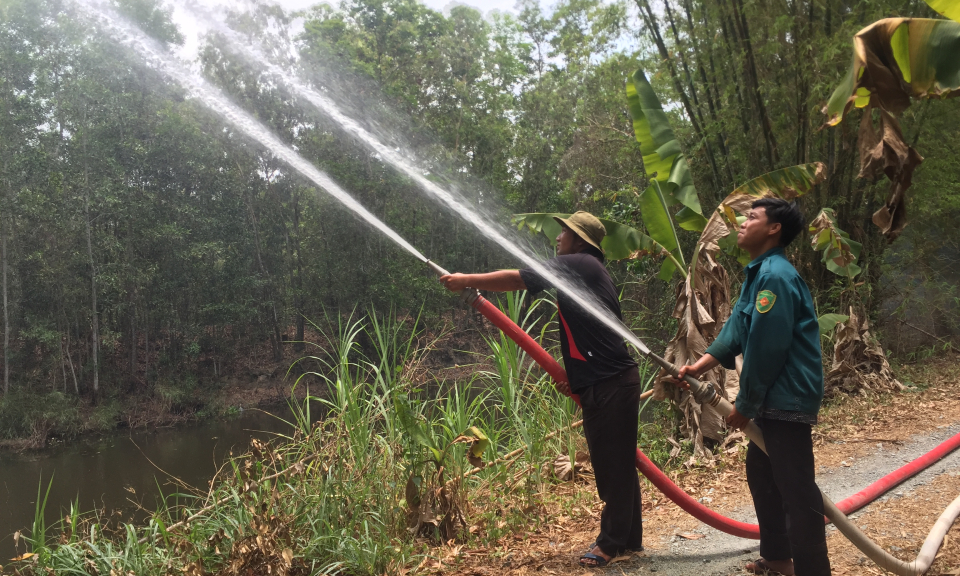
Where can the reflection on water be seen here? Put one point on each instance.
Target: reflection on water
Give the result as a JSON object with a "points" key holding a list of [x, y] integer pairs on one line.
{"points": [[115, 473]]}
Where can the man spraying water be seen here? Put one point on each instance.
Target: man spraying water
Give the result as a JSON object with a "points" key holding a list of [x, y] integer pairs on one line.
{"points": [[599, 368]]}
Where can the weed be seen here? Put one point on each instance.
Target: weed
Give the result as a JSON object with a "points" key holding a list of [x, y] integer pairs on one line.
{"points": [[368, 488]]}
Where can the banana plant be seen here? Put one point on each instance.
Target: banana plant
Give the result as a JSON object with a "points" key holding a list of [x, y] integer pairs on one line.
{"points": [[671, 183], [896, 60], [703, 300]]}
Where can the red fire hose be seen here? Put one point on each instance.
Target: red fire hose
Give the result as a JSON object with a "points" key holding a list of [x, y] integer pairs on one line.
{"points": [[663, 483]]}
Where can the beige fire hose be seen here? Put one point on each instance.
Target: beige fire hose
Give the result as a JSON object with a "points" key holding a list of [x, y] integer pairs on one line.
{"points": [[928, 552]]}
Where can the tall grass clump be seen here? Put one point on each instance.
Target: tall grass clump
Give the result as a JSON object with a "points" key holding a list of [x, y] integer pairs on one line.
{"points": [[377, 470]]}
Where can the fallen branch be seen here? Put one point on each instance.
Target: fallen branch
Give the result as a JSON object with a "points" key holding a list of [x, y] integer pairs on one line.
{"points": [[846, 440], [513, 454], [223, 500], [947, 342]]}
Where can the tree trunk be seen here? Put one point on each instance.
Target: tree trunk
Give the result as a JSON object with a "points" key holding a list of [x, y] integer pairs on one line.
{"points": [[726, 28], [131, 290], [750, 66], [6, 313], [711, 158], [713, 97], [298, 345], [95, 318], [275, 339], [651, 22]]}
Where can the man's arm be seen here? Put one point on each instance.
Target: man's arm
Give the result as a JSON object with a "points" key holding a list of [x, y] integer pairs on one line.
{"points": [[727, 345], [499, 281], [768, 343], [704, 364]]}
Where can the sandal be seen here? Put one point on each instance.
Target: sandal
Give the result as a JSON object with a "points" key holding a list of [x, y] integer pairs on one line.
{"points": [[598, 561], [759, 566], [637, 549]]}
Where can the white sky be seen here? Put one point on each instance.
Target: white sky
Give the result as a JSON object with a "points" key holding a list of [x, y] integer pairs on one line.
{"points": [[192, 28], [482, 5]]}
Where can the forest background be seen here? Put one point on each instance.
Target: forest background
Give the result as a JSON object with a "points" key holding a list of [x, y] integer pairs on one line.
{"points": [[150, 255]]}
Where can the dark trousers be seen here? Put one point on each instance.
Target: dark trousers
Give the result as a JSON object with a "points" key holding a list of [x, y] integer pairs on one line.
{"points": [[788, 503], [610, 414]]}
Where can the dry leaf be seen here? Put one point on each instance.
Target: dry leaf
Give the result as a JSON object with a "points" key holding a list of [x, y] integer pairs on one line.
{"points": [[858, 361], [564, 471], [690, 535]]}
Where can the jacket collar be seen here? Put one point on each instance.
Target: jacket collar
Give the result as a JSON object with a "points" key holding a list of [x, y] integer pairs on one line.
{"points": [[756, 262]]}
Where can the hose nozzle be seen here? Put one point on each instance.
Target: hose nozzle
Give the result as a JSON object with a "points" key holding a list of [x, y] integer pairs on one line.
{"points": [[436, 269]]}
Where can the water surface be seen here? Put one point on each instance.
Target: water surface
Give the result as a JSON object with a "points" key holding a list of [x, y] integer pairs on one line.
{"points": [[117, 472]]}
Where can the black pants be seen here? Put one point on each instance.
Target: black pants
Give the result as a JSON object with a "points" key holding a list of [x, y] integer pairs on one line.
{"points": [[785, 495], [610, 414]]}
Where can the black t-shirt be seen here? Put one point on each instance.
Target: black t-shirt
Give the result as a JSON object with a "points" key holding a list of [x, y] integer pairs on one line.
{"points": [[591, 351]]}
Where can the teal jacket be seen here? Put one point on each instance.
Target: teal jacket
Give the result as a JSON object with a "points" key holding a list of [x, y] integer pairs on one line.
{"points": [[774, 326]]}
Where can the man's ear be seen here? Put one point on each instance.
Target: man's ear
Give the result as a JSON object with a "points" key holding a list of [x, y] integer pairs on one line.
{"points": [[775, 228]]}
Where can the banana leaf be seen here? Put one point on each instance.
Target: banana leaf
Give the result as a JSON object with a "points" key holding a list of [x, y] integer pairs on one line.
{"points": [[663, 159], [895, 59], [840, 253], [621, 242], [948, 8], [828, 322], [787, 183], [656, 217]]}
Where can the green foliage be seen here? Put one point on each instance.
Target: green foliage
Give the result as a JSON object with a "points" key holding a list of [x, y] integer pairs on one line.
{"points": [[663, 159], [38, 416], [840, 253], [829, 321]]}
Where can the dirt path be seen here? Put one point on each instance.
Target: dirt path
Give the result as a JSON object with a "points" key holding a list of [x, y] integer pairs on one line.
{"points": [[900, 519]]}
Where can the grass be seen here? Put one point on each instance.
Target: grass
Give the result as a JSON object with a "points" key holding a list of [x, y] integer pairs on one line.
{"points": [[371, 488]]}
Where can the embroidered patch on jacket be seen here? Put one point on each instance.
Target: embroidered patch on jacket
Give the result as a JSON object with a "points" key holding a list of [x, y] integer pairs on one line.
{"points": [[765, 300]]}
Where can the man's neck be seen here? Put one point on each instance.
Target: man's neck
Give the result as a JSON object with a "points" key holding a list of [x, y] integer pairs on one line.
{"points": [[761, 250]]}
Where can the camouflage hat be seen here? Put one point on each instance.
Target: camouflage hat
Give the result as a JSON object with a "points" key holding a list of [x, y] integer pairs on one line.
{"points": [[586, 226]]}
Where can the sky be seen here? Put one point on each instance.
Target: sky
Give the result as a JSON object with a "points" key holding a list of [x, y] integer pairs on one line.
{"points": [[192, 28], [482, 5]]}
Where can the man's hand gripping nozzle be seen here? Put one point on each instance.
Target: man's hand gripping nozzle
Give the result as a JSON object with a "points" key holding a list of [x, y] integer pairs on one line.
{"points": [[469, 295]]}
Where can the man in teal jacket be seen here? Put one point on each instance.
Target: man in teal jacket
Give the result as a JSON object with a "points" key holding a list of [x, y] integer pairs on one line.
{"points": [[774, 325]]}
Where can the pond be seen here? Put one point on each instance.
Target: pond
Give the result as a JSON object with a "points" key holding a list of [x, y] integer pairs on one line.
{"points": [[122, 475]]}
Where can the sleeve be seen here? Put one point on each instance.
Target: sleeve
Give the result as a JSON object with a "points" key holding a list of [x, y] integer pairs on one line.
{"points": [[768, 341], [727, 345], [533, 281], [536, 283]]}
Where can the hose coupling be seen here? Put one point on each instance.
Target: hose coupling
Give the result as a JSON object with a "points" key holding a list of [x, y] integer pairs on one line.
{"points": [[470, 295]]}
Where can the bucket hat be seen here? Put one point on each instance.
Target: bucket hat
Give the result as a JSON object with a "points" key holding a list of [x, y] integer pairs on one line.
{"points": [[586, 226]]}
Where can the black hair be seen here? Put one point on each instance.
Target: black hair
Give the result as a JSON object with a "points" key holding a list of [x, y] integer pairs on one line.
{"points": [[787, 214], [594, 251], [586, 246]]}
